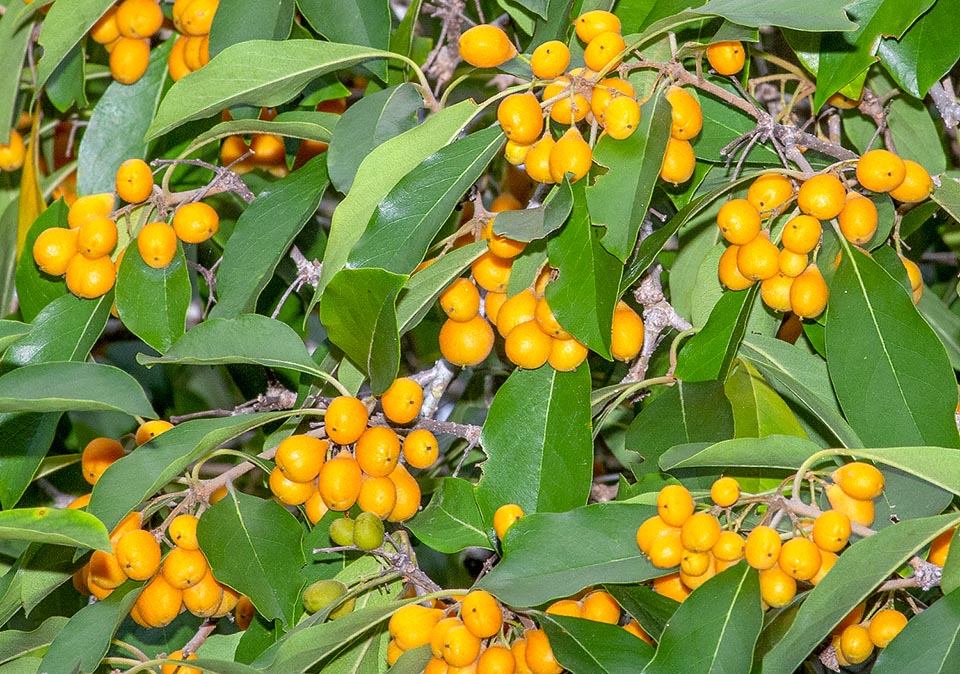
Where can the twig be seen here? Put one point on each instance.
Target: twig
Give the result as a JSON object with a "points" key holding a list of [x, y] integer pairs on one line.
{"points": [[468, 432], [206, 629], [658, 316], [946, 103], [433, 392]]}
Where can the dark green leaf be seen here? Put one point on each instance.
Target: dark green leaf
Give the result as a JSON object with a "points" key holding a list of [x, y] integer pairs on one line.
{"points": [[526, 267], [65, 329], [589, 647], [363, 22], [63, 28], [26, 438], [413, 661], [262, 236], [707, 356], [52, 525], [359, 311], [537, 430], [15, 644], [56, 387], [370, 122], [12, 331], [14, 36], [929, 644], [926, 52], [115, 131], [828, 17], [598, 546], [242, 20], [153, 303], [944, 322], [586, 291], [757, 409], [66, 85], [424, 287], [254, 546], [891, 373], [772, 451], [528, 224], [947, 194], [35, 290], [715, 629], [451, 521], [411, 215], [619, 198], [725, 124], [652, 610], [284, 69]]}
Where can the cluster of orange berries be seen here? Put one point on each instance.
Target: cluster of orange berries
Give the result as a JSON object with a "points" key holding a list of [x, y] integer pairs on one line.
{"points": [[191, 51], [125, 31], [598, 606], [14, 153], [371, 476], [855, 638], [679, 160]]}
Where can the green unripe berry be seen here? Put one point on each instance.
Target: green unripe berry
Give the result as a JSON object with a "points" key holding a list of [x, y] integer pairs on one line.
{"points": [[368, 531], [341, 531], [321, 594]]}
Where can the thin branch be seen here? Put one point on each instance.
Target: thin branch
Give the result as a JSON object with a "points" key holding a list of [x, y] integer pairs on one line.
{"points": [[946, 103]]}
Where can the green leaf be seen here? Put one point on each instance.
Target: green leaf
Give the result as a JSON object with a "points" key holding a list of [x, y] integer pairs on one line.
{"points": [[529, 224], [411, 215], [52, 525], [218, 341], [451, 521], [422, 289], [65, 329], [653, 611], [772, 451], [80, 387], [708, 355], [283, 70], [588, 647], [15, 644], [926, 52], [944, 322], [947, 194], [916, 137], [828, 17], [14, 37], [939, 466], [715, 629], [12, 331], [35, 290], [537, 430], [262, 236], [242, 20], [619, 198], [929, 644], [803, 378], [359, 311], [586, 291], [857, 573], [367, 124], [254, 546], [153, 303], [143, 472], [598, 545], [413, 661], [379, 172], [115, 131], [84, 641], [757, 409], [66, 85], [302, 124], [63, 28], [727, 123], [26, 438], [890, 372], [363, 22], [684, 413], [844, 56]]}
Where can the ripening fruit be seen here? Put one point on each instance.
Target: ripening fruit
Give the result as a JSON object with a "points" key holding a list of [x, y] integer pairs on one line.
{"points": [[686, 114], [590, 24], [777, 588], [725, 491], [138, 18], [504, 518], [345, 419], [460, 646], [762, 548], [827, 560], [321, 594], [300, 457], [759, 259], [368, 531], [90, 278], [822, 196], [97, 456], [606, 91], [401, 402], [339, 482], [496, 660], [204, 598], [855, 644], [503, 246], [801, 234], [775, 292], [858, 220], [695, 581], [179, 669], [486, 46], [528, 346], [694, 564], [940, 547], [679, 162], [550, 60], [566, 354], [567, 106], [96, 237], [90, 206], [621, 117], [177, 65], [800, 557], [268, 150], [600, 606], [729, 547], [134, 181], [157, 243], [341, 531], [739, 221], [515, 153], [411, 625], [729, 272], [671, 586], [859, 511], [408, 495], [571, 155], [420, 448], [626, 333], [460, 301], [831, 531], [808, 293], [184, 568], [916, 185], [129, 59], [521, 118], [604, 51], [105, 571], [195, 222], [859, 480], [159, 602], [675, 504], [53, 250], [537, 163], [700, 532], [196, 53], [378, 495], [481, 614], [13, 154], [539, 655], [547, 321], [880, 170], [468, 343], [314, 507], [183, 532], [726, 58], [792, 264], [916, 278], [139, 554], [565, 607], [83, 501], [491, 273], [518, 309], [769, 192], [885, 625], [151, 429], [105, 30], [652, 529], [633, 627]]}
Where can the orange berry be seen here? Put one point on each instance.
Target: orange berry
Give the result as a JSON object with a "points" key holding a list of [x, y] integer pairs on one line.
{"points": [[671, 586], [700, 532], [345, 419], [916, 186], [539, 655], [792, 264], [315, 508], [183, 532], [621, 117], [775, 292], [822, 196], [378, 495], [777, 588], [491, 273], [420, 448], [590, 24], [567, 106], [652, 529], [97, 456], [885, 625], [96, 237], [139, 554], [90, 206], [627, 333], [679, 161], [176, 63], [106, 30], [566, 354], [461, 300], [195, 222], [84, 500], [159, 602], [762, 548], [633, 627], [481, 614], [340, 481], [808, 293], [528, 346], [157, 243], [601, 607], [496, 660], [725, 491], [491, 305], [859, 511], [411, 625], [855, 644], [129, 59], [727, 58], [550, 59], [729, 547], [759, 259], [675, 504], [518, 309], [571, 155], [604, 51], [268, 150], [151, 429], [486, 46], [827, 560], [90, 279], [606, 91], [859, 480], [13, 154], [504, 518], [460, 647], [300, 457], [204, 598], [401, 402], [515, 153], [134, 181], [739, 221], [729, 272], [521, 118], [138, 18], [468, 343], [197, 17], [858, 221], [801, 234], [503, 246], [880, 170], [686, 113], [54, 249], [184, 568], [537, 163], [831, 531], [565, 607], [940, 547], [105, 570], [769, 192], [800, 557], [408, 495]]}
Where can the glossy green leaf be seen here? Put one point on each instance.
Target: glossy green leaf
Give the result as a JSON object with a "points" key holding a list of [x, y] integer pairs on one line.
{"points": [[67, 84], [715, 629], [538, 429], [619, 199], [424, 287], [242, 20], [708, 355], [115, 131], [283, 70], [262, 236], [451, 521], [26, 438], [65, 329], [890, 372], [378, 174], [828, 17], [528, 224], [413, 661], [857, 573], [929, 644], [598, 546], [15, 644], [944, 322], [56, 387], [586, 291], [757, 409], [802, 377], [926, 52], [363, 22], [15, 37], [411, 215], [143, 472], [772, 451], [74, 528], [302, 124], [947, 194], [12, 331], [153, 303], [590, 647], [686, 412], [367, 124], [64, 27], [35, 290], [359, 311], [652, 610], [527, 267], [254, 546]]}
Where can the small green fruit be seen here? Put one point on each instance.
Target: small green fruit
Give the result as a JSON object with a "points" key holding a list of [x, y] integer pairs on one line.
{"points": [[368, 531], [341, 531], [321, 594]]}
